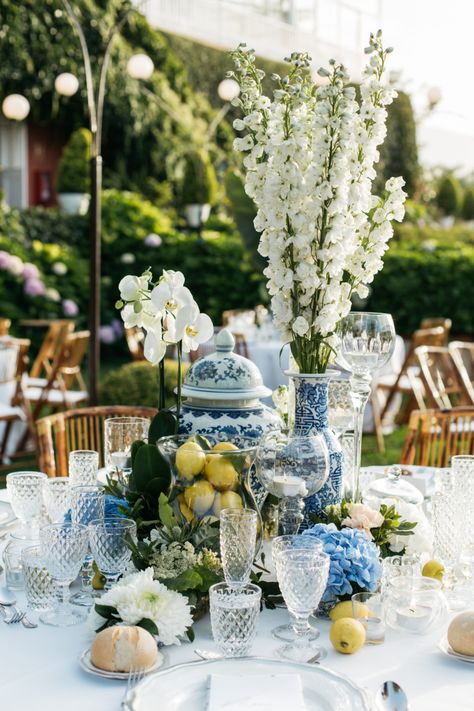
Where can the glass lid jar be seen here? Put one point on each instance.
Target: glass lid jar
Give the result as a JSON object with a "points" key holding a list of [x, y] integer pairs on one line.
{"points": [[393, 486]]}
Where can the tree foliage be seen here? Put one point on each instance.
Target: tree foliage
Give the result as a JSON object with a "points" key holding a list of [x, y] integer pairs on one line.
{"points": [[449, 196], [74, 166]]}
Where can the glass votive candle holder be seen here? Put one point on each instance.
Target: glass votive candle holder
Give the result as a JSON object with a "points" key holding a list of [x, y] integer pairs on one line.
{"points": [[119, 435], [234, 615], [368, 608], [38, 583], [415, 604]]}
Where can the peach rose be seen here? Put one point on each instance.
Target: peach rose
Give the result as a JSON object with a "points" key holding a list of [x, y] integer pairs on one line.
{"points": [[363, 517]]}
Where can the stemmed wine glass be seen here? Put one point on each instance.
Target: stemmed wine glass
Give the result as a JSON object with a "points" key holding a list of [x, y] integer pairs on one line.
{"points": [[87, 504], [367, 341], [63, 546], [108, 542], [57, 497], [25, 492], [292, 467], [302, 574], [83, 467], [286, 632]]}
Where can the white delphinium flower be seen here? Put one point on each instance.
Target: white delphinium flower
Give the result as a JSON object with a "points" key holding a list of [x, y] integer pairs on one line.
{"points": [[138, 596]]}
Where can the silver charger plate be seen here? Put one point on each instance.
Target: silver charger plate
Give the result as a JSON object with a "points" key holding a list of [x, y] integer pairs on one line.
{"points": [[86, 664], [446, 648], [6, 514], [185, 687]]}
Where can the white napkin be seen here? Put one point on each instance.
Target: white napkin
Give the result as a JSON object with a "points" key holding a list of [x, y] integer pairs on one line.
{"points": [[263, 692]]}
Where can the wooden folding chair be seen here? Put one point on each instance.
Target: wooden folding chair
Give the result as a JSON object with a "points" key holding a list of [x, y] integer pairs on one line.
{"points": [[50, 348], [404, 381], [65, 374], [442, 385], [5, 324], [14, 407], [135, 341], [434, 436], [60, 434], [462, 354]]}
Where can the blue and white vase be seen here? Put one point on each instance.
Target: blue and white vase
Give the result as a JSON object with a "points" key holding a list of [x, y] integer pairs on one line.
{"points": [[311, 416]]}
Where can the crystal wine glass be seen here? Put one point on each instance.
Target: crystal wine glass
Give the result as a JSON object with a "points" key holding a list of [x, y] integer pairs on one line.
{"points": [[292, 542], [292, 467], [83, 467], [119, 435], [25, 492], [302, 575], [367, 341], [238, 538], [108, 542], [63, 546], [57, 497], [87, 504]]}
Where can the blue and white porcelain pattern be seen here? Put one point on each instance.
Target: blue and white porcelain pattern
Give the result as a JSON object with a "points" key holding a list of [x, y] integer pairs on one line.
{"points": [[311, 415]]}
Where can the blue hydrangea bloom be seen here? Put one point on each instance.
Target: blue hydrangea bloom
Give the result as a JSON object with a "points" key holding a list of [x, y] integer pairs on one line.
{"points": [[354, 559]]}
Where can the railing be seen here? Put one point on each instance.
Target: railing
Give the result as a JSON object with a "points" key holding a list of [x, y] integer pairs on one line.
{"points": [[225, 24]]}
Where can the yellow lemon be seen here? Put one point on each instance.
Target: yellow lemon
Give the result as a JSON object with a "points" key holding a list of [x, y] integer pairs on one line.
{"points": [[433, 569], [226, 500], [225, 447], [342, 609], [220, 472], [190, 460], [199, 497], [184, 508], [347, 635], [98, 580]]}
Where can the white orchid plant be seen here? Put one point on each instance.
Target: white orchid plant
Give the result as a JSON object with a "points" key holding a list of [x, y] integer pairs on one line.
{"points": [[169, 315], [311, 151]]}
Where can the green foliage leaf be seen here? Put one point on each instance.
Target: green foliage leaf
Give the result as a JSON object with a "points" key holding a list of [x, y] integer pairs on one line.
{"points": [[164, 424], [189, 580], [190, 634], [134, 449], [148, 625], [148, 465], [166, 513], [106, 611]]}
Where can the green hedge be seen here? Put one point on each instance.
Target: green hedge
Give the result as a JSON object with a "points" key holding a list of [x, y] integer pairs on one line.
{"points": [[137, 384]]}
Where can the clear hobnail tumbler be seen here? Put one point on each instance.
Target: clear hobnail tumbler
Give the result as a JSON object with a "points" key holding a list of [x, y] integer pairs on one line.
{"points": [[83, 467], [462, 471], [238, 538], [234, 615], [25, 493], [87, 504], [57, 497], [38, 583], [108, 542], [119, 435]]}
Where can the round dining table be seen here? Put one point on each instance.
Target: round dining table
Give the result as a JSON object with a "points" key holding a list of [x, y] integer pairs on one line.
{"points": [[40, 669]]}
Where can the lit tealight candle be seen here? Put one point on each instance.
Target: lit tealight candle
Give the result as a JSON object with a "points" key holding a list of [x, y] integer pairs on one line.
{"points": [[121, 460], [415, 618], [287, 486]]}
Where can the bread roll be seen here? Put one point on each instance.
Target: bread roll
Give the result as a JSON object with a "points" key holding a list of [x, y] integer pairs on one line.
{"points": [[119, 649]]}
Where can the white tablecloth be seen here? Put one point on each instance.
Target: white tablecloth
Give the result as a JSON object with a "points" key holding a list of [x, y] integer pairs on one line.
{"points": [[39, 669]]}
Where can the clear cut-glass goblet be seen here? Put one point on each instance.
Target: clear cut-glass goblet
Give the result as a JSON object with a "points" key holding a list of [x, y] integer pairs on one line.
{"points": [[286, 632], [302, 575], [87, 504], [367, 341], [238, 539], [63, 546], [108, 539], [292, 467], [83, 467], [57, 497], [25, 493]]}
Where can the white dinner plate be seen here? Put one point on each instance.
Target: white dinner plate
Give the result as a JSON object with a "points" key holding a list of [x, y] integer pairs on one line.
{"points": [[6, 514], [185, 687], [86, 664], [449, 651]]}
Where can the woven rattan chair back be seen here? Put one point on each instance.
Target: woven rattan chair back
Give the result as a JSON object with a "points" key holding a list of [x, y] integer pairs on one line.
{"points": [[434, 436], [62, 433]]}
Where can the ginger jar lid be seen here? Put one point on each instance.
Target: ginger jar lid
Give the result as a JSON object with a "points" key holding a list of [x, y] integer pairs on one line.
{"points": [[224, 375], [394, 487]]}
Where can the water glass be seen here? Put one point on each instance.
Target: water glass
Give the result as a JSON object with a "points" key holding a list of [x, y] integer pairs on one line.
{"points": [[108, 542], [234, 615], [12, 559], [238, 537], [57, 497], [302, 575], [25, 493], [83, 467], [368, 608], [286, 633], [87, 504], [39, 585], [64, 547], [119, 435]]}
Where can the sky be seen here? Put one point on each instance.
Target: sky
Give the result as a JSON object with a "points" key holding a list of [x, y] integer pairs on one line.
{"points": [[434, 47]]}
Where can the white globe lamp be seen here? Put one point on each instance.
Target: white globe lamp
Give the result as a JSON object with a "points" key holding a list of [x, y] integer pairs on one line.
{"points": [[15, 107], [228, 89], [66, 84], [140, 66]]}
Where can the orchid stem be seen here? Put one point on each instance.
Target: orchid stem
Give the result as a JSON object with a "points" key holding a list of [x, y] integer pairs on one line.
{"points": [[178, 394]]}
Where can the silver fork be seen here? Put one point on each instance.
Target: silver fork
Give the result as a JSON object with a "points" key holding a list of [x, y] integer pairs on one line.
{"points": [[16, 617], [134, 676]]}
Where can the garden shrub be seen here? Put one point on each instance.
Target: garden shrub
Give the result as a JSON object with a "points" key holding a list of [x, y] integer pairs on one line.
{"points": [[468, 204], [74, 171], [449, 196], [137, 384], [243, 211], [199, 185]]}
